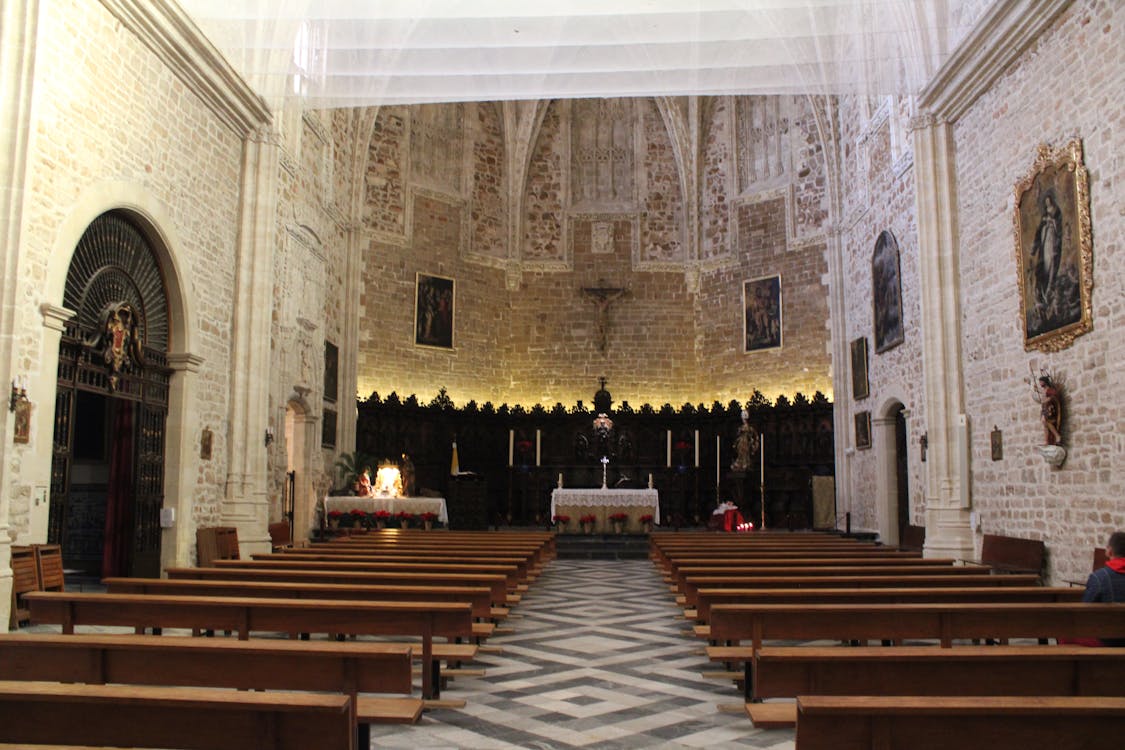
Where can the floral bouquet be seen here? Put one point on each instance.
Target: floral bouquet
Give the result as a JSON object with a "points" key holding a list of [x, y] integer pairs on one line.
{"points": [[646, 518], [560, 520], [405, 518], [589, 518], [619, 517]]}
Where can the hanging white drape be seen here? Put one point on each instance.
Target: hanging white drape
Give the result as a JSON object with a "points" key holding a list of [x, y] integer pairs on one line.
{"points": [[337, 53]]}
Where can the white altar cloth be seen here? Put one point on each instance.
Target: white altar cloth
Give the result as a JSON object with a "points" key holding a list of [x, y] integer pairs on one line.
{"points": [[415, 505], [608, 498]]}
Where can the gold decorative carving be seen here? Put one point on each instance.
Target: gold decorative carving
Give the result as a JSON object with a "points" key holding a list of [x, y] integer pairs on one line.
{"points": [[1054, 249]]}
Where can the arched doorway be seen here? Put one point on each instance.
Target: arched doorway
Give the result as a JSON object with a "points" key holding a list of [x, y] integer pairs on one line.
{"points": [[892, 491], [107, 469], [300, 436]]}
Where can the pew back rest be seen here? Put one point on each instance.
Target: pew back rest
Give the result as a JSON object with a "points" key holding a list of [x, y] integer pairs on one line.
{"points": [[913, 538], [24, 580], [216, 543], [1008, 554], [49, 566]]}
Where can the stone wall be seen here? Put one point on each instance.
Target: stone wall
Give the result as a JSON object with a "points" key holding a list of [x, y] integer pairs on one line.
{"points": [[114, 126], [603, 207], [1065, 86], [877, 193]]}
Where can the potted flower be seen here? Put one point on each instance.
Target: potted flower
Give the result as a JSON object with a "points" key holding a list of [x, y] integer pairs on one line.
{"points": [[358, 517], [334, 517], [405, 518], [428, 519], [381, 517], [561, 521], [646, 521], [619, 520], [588, 522]]}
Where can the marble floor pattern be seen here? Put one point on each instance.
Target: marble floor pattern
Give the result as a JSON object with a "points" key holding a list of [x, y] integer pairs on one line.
{"points": [[598, 659]]}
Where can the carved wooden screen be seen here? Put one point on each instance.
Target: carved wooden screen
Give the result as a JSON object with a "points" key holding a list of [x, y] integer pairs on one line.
{"points": [[113, 268]]}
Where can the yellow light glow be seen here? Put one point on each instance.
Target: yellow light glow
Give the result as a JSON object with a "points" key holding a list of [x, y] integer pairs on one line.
{"points": [[388, 482]]}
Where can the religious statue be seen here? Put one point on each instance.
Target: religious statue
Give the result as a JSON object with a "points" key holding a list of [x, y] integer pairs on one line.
{"points": [[363, 483], [745, 444], [1050, 409], [407, 470]]}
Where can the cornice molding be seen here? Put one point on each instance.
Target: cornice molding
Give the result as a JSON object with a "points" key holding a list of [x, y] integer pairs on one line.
{"points": [[166, 30], [998, 39]]}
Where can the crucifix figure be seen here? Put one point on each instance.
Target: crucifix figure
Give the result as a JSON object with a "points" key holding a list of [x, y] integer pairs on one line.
{"points": [[604, 296], [605, 463]]}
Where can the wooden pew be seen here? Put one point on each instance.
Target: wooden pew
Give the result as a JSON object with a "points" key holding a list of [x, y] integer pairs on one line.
{"points": [[896, 595], [787, 672], [480, 599], [520, 565], [1006, 554], [496, 584], [25, 579], [38, 713], [349, 668], [244, 615], [967, 723], [435, 571]]}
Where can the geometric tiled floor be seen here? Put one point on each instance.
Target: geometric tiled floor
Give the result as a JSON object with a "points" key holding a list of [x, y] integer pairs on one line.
{"points": [[598, 660]]}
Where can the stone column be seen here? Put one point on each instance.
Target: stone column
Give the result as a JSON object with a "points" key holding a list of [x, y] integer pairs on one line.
{"points": [[349, 346], [18, 44], [948, 486], [182, 433], [841, 382], [246, 503]]}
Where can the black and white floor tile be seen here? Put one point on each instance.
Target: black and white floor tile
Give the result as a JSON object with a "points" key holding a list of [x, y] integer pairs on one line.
{"points": [[598, 659]]}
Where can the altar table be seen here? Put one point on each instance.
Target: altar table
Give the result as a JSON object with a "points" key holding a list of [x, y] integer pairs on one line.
{"points": [[601, 503], [395, 505]]}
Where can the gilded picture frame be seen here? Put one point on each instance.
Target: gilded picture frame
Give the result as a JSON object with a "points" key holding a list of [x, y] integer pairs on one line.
{"points": [[860, 385], [762, 313], [434, 301], [1054, 249]]}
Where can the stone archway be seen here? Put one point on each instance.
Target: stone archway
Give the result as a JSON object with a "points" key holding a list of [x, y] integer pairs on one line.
{"points": [[892, 487], [300, 442]]}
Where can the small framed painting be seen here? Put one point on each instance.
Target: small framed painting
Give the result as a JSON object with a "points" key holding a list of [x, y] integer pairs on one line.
{"points": [[433, 311], [860, 386], [863, 430], [761, 303]]}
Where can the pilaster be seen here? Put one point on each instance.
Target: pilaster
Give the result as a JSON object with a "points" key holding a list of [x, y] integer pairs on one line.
{"points": [[246, 503], [948, 470]]}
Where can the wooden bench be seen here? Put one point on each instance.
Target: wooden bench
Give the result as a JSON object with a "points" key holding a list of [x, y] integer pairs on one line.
{"points": [[896, 595], [375, 558], [433, 570], [496, 584], [50, 713], [25, 579], [787, 672], [966, 723], [1006, 554], [327, 666], [480, 598], [244, 615]]}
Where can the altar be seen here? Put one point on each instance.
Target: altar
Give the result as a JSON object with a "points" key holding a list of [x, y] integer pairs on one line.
{"points": [[394, 505], [601, 503]]}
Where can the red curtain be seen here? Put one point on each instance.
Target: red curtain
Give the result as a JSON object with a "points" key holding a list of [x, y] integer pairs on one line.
{"points": [[119, 498]]}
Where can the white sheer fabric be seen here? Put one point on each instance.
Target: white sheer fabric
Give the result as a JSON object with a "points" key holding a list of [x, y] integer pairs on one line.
{"points": [[337, 53]]}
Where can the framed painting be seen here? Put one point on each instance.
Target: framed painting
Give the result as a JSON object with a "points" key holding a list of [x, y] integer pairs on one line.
{"points": [[761, 304], [1054, 250], [860, 386], [433, 311], [328, 429], [863, 430], [331, 371], [886, 292]]}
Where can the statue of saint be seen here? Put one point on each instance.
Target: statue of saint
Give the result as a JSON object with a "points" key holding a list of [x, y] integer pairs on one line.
{"points": [[363, 483], [744, 445]]}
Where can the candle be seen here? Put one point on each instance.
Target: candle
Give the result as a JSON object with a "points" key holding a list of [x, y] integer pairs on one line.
{"points": [[697, 449], [669, 449], [537, 454], [560, 480], [649, 480], [511, 446], [718, 448]]}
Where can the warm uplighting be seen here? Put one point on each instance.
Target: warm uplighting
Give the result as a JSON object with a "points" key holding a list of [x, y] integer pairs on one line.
{"points": [[388, 481]]}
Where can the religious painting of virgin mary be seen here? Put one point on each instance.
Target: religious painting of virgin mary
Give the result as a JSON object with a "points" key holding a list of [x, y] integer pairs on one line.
{"points": [[433, 311], [1054, 251]]}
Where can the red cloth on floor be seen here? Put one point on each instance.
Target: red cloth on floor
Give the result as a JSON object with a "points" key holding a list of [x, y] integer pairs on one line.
{"points": [[732, 520]]}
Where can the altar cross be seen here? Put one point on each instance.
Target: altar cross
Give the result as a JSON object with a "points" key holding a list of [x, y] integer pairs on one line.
{"points": [[604, 296]]}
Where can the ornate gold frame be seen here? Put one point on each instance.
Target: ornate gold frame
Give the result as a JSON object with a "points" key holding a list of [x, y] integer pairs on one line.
{"points": [[1061, 175]]}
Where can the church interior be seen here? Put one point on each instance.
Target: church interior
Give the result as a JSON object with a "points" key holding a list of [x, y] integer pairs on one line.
{"points": [[845, 267]]}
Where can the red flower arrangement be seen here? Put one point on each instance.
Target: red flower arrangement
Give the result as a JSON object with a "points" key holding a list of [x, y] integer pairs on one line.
{"points": [[334, 515], [560, 519], [591, 518], [357, 513], [646, 518], [619, 517], [429, 516], [403, 515], [382, 515]]}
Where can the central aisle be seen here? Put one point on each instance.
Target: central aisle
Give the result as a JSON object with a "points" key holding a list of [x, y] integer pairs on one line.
{"points": [[598, 660]]}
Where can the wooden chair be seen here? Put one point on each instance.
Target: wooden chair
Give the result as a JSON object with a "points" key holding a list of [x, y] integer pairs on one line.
{"points": [[25, 579], [49, 566], [280, 537], [216, 543]]}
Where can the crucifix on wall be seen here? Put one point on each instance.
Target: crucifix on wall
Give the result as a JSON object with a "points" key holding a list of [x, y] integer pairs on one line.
{"points": [[603, 296]]}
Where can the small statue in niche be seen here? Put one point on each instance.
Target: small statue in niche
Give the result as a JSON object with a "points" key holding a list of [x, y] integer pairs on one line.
{"points": [[1049, 397], [745, 445]]}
